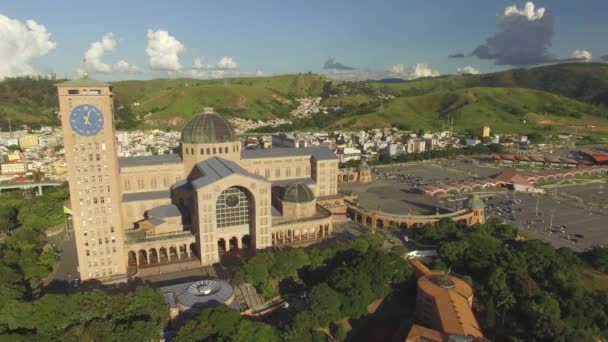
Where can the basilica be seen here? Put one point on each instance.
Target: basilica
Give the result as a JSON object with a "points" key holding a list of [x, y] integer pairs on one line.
{"points": [[213, 196]]}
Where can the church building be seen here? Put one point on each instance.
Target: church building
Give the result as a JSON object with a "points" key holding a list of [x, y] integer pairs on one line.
{"points": [[210, 197]]}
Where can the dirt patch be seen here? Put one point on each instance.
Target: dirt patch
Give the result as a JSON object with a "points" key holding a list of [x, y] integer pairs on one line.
{"points": [[373, 307], [547, 122], [280, 98], [238, 101]]}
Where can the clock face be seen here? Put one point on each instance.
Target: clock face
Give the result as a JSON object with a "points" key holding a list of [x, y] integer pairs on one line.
{"points": [[86, 120]]}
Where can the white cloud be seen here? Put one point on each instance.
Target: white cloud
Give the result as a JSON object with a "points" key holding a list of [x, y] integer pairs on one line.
{"points": [[413, 72], [527, 11], [96, 52], [583, 55], [20, 43], [259, 73], [467, 70], [163, 50], [225, 63]]}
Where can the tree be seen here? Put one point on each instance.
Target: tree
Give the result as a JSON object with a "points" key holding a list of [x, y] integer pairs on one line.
{"points": [[8, 219], [324, 304]]}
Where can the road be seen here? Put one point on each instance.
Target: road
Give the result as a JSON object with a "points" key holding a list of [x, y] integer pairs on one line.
{"points": [[68, 265]]}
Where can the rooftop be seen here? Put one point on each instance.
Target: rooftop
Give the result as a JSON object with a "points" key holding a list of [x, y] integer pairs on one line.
{"points": [[162, 159], [215, 168], [83, 82], [318, 152], [146, 196], [168, 210]]}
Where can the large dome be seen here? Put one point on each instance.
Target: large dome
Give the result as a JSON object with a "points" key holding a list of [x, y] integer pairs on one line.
{"points": [[298, 193], [207, 128]]}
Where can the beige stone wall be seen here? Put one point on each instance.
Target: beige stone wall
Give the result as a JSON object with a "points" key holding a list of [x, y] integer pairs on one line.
{"points": [[150, 178], [196, 153], [95, 192], [134, 211], [205, 220], [299, 210], [275, 169], [325, 173]]}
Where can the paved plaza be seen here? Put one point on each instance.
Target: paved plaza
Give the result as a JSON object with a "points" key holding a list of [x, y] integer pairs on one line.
{"points": [[582, 208]]}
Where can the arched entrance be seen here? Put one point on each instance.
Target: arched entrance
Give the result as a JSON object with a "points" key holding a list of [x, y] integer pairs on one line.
{"points": [[153, 256], [221, 246], [233, 243], [132, 258], [245, 242], [162, 254], [368, 221], [235, 210], [143, 257], [173, 253], [379, 223]]}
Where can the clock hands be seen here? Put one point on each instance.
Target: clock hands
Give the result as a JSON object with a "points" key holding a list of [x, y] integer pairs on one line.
{"points": [[86, 118]]}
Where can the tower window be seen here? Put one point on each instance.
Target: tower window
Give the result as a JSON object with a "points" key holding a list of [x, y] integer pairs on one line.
{"points": [[73, 91]]}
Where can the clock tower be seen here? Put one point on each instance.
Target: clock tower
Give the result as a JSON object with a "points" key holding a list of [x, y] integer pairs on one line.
{"points": [[87, 123]]}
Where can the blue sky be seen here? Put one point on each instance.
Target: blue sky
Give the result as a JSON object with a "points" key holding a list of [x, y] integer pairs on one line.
{"points": [[374, 38]]}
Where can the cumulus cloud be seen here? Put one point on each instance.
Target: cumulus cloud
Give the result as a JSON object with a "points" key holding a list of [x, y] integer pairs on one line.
{"points": [[96, 52], [20, 44], [467, 70], [582, 55], [413, 72], [225, 63], [331, 64], [456, 55], [163, 50], [523, 37]]}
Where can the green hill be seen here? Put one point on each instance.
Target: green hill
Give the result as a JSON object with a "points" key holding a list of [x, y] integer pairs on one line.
{"points": [[583, 81], [507, 110], [251, 98], [562, 95]]}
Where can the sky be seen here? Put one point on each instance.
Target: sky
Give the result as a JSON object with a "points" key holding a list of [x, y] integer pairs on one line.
{"points": [[343, 39]]}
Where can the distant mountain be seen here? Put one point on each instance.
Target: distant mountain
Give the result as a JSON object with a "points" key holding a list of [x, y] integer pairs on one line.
{"points": [[554, 97]]}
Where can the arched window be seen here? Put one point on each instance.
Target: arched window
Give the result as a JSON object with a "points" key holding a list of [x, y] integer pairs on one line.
{"points": [[214, 152], [220, 150], [226, 149], [207, 150], [232, 208], [192, 151], [202, 151]]}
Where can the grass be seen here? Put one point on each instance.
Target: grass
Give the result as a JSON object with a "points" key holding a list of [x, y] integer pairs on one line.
{"points": [[507, 110], [594, 280]]}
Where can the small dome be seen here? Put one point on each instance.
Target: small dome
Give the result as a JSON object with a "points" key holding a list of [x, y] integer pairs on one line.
{"points": [[298, 193], [474, 202], [207, 128]]}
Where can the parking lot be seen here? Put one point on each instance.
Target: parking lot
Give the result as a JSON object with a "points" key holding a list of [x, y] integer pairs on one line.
{"points": [[581, 209], [557, 220]]}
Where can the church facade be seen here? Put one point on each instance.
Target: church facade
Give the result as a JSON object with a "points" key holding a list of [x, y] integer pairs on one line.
{"points": [[208, 198]]}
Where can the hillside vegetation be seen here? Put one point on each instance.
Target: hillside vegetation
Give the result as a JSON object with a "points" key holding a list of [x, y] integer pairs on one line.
{"points": [[508, 110], [566, 97]]}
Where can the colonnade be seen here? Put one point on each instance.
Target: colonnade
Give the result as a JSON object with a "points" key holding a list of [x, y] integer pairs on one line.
{"points": [[162, 254], [296, 235]]}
